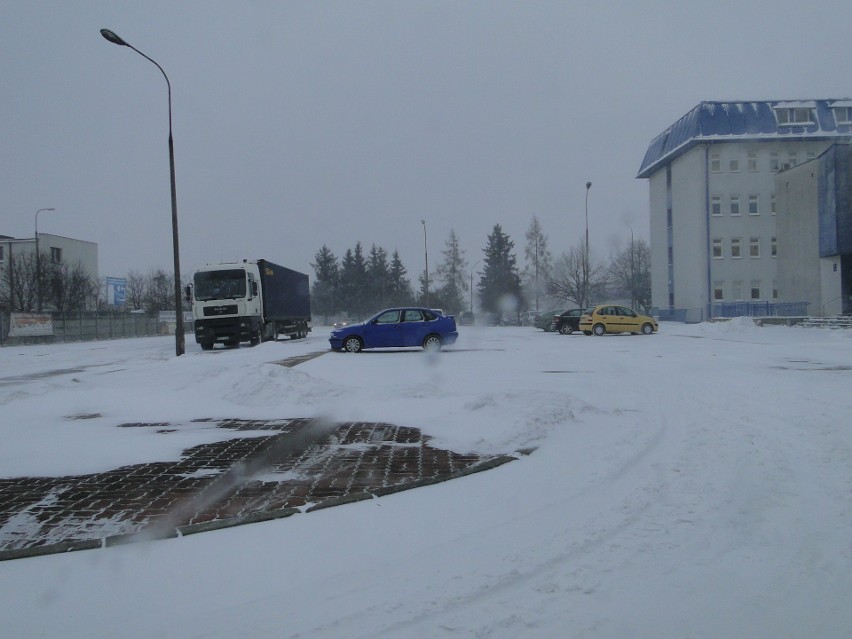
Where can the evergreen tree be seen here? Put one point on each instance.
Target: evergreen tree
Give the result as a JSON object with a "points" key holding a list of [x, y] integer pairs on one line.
{"points": [[399, 286], [453, 276], [324, 288], [353, 282], [538, 262], [377, 278], [500, 284]]}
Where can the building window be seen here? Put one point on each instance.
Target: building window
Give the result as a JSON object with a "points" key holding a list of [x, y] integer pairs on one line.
{"points": [[774, 246], [772, 204], [752, 162], [797, 115], [55, 255], [754, 247], [734, 165], [755, 290], [843, 115], [774, 162], [716, 205], [718, 292], [735, 205], [753, 208], [717, 248], [715, 163], [735, 247], [737, 290], [792, 158]]}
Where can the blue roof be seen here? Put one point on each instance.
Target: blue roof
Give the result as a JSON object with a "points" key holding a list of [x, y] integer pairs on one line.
{"points": [[723, 121]]}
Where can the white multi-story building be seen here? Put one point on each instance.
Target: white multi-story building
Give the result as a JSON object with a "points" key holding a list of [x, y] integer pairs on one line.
{"points": [[53, 248], [713, 204]]}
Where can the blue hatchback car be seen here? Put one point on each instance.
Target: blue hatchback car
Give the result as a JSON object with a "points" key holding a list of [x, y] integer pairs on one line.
{"points": [[396, 327]]}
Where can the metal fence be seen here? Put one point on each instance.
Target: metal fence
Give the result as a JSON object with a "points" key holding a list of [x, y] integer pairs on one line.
{"points": [[760, 309], [732, 309], [90, 326]]}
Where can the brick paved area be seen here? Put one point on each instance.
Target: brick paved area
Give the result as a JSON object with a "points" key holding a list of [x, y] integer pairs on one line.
{"points": [[298, 466]]}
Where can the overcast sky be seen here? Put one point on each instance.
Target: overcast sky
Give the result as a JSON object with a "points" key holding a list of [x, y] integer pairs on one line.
{"points": [[298, 124]]}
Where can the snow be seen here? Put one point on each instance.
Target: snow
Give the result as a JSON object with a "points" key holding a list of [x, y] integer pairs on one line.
{"points": [[695, 483]]}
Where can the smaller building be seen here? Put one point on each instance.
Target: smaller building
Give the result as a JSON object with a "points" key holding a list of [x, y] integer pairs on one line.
{"points": [[815, 232], [56, 249]]}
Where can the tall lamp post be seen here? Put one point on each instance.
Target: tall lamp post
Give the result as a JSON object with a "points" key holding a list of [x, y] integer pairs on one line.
{"points": [[632, 272], [180, 338], [426, 254], [38, 261], [586, 261], [471, 285]]}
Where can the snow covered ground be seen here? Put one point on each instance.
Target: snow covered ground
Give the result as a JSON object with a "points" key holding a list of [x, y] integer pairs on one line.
{"points": [[695, 483]]}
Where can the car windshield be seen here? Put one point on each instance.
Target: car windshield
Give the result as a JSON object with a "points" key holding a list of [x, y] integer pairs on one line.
{"points": [[220, 285]]}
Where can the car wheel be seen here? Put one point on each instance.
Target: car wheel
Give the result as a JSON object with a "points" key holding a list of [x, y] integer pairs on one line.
{"points": [[647, 329], [599, 329], [550, 327], [432, 343], [566, 329], [352, 345]]}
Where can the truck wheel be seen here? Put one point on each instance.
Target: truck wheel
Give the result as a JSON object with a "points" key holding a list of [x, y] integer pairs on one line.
{"points": [[206, 346]]}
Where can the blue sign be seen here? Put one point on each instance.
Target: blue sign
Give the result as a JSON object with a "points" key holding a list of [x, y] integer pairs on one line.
{"points": [[116, 291]]}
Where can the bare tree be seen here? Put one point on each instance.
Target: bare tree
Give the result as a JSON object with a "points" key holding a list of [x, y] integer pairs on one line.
{"points": [[69, 286], [135, 290], [538, 260], [569, 282], [19, 283], [630, 273], [159, 292]]}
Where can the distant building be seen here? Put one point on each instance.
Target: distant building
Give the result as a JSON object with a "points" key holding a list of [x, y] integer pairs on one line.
{"points": [[54, 248], [814, 226], [715, 235]]}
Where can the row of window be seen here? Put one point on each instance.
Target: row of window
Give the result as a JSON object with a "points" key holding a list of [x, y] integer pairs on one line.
{"points": [[736, 247], [752, 164], [734, 207], [55, 254], [737, 289], [802, 115]]}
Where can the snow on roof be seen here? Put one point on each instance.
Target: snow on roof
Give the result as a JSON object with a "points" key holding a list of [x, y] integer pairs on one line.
{"points": [[721, 121]]}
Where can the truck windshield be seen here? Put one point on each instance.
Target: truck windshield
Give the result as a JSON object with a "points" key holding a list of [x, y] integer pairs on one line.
{"points": [[220, 285]]}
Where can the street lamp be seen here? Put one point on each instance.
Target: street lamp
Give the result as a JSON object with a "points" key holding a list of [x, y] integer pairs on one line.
{"points": [[471, 285], [586, 261], [38, 261], [180, 338], [426, 253], [632, 271]]}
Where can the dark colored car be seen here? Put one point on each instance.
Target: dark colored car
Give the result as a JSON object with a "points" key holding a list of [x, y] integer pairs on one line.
{"points": [[567, 322], [545, 320], [397, 327]]}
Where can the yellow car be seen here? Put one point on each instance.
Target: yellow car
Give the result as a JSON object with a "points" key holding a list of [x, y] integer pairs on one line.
{"points": [[609, 318]]}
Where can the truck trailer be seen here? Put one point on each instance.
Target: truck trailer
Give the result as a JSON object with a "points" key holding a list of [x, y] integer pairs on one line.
{"points": [[250, 301]]}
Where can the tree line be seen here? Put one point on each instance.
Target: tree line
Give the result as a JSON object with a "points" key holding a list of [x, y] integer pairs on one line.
{"points": [[362, 282], [358, 284]]}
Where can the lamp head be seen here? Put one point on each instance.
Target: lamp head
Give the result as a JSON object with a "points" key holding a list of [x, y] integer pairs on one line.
{"points": [[111, 36], [588, 185]]}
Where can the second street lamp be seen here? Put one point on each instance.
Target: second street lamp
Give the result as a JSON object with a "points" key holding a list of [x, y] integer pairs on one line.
{"points": [[180, 337], [586, 298], [426, 253]]}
